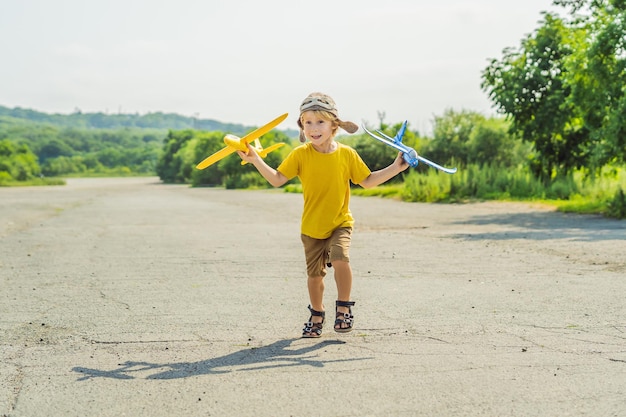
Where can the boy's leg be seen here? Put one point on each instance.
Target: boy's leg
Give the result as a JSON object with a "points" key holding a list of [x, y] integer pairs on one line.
{"points": [[316, 295], [315, 255], [340, 259], [343, 279]]}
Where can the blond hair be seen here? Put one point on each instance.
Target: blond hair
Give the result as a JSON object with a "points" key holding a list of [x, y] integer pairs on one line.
{"points": [[322, 114]]}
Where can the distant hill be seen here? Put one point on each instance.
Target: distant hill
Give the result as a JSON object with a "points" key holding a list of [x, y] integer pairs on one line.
{"points": [[158, 120]]}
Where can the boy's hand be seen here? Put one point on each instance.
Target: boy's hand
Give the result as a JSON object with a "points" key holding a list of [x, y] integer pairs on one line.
{"points": [[400, 162], [249, 157]]}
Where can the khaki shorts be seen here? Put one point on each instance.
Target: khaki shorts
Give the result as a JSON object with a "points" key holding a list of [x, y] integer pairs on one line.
{"points": [[319, 251]]}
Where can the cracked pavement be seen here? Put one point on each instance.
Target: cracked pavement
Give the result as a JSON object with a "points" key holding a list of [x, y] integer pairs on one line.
{"points": [[130, 297]]}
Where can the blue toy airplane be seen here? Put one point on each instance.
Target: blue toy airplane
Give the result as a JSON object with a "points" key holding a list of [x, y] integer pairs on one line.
{"points": [[409, 154]]}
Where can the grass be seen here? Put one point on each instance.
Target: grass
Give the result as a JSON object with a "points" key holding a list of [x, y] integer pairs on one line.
{"points": [[388, 191], [32, 182], [579, 205]]}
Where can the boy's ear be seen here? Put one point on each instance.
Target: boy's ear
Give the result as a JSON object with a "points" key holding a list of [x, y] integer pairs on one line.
{"points": [[302, 138]]}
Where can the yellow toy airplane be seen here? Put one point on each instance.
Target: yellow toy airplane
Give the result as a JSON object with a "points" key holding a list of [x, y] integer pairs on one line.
{"points": [[234, 143], [259, 148]]}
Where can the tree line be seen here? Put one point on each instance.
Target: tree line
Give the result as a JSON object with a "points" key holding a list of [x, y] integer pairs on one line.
{"points": [[35, 145], [33, 151], [99, 120]]}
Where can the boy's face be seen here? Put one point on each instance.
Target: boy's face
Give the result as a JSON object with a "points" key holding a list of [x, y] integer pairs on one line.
{"points": [[318, 130]]}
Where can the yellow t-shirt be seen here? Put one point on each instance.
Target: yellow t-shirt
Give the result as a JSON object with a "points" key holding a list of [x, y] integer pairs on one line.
{"points": [[325, 179]]}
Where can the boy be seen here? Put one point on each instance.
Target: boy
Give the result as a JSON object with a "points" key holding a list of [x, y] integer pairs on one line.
{"points": [[325, 168]]}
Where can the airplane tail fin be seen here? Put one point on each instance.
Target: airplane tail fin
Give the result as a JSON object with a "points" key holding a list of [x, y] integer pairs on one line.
{"points": [[263, 152], [400, 134], [396, 139]]}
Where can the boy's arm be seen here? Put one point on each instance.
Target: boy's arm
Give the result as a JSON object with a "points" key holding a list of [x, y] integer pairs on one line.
{"points": [[385, 174], [272, 176]]}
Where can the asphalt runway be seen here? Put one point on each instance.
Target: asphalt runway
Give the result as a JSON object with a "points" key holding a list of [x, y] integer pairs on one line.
{"points": [[128, 297]]}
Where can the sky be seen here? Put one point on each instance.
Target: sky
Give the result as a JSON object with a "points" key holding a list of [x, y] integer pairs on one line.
{"points": [[249, 61]]}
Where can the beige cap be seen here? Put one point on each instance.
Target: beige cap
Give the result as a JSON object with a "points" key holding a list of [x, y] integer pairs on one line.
{"points": [[320, 101]]}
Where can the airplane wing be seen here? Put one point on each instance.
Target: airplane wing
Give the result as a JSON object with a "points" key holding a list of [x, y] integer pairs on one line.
{"points": [[217, 156], [434, 165], [263, 129]]}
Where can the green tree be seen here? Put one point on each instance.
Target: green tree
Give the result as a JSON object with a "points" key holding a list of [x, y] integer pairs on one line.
{"points": [[491, 143], [532, 85], [62, 165], [563, 88], [53, 149], [111, 157], [206, 144], [598, 86], [169, 164], [17, 162], [452, 133]]}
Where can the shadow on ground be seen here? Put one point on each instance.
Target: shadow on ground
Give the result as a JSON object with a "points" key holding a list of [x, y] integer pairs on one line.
{"points": [[275, 355], [543, 226]]}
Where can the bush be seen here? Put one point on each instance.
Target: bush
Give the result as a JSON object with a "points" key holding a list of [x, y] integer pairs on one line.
{"points": [[5, 178], [617, 207], [430, 187], [245, 180], [17, 161], [562, 188]]}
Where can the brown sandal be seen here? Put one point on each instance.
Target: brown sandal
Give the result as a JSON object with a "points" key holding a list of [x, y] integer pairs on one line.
{"points": [[344, 318], [313, 330]]}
